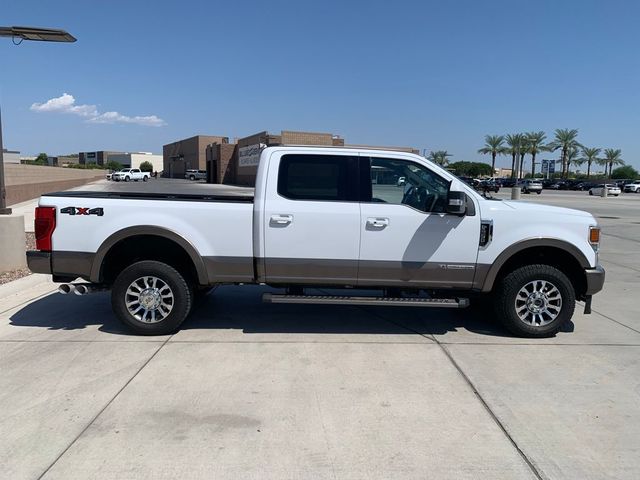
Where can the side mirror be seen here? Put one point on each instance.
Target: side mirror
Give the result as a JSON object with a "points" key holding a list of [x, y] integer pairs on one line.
{"points": [[457, 203]]}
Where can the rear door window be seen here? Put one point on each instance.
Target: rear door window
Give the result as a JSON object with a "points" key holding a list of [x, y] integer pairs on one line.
{"points": [[318, 177]]}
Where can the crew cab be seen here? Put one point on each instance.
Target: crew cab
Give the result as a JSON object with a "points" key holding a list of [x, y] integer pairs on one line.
{"points": [[323, 217], [195, 175], [128, 174]]}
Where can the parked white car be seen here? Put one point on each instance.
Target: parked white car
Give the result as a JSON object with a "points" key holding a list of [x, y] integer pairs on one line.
{"points": [[632, 187], [530, 186], [611, 190], [128, 174]]}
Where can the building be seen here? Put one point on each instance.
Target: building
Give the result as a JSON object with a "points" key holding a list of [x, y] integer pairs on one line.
{"points": [[135, 159], [188, 154], [126, 159], [10, 156], [100, 157]]}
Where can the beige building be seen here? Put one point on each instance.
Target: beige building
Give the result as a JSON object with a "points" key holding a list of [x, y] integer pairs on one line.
{"points": [[134, 160]]}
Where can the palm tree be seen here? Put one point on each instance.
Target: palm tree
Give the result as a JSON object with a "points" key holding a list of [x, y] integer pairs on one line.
{"points": [[603, 162], [439, 157], [564, 140], [524, 149], [612, 157], [514, 144], [572, 157], [535, 142], [590, 155], [493, 144]]}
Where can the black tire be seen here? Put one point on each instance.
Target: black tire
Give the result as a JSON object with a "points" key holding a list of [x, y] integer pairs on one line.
{"points": [[511, 285], [192, 178], [144, 179], [590, 192], [539, 192], [126, 179], [181, 302]]}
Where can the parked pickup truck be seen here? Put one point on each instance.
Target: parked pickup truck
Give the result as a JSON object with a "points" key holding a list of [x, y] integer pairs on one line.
{"points": [[323, 217], [128, 174]]}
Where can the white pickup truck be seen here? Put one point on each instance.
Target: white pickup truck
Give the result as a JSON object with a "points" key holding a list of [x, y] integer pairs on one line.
{"points": [[323, 217], [128, 174]]}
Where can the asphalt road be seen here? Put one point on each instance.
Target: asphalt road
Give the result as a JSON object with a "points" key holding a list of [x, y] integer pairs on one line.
{"points": [[248, 390]]}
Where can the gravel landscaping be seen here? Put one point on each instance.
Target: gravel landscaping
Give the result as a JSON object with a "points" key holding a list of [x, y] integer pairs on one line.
{"points": [[6, 277]]}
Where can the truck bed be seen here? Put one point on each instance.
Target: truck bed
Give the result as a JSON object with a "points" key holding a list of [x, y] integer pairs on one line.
{"points": [[161, 190]]}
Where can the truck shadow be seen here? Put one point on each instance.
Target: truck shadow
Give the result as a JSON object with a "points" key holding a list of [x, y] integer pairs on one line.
{"points": [[241, 308]]}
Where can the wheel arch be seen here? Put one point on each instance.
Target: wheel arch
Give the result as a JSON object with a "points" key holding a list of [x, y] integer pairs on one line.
{"points": [[554, 252], [148, 232]]}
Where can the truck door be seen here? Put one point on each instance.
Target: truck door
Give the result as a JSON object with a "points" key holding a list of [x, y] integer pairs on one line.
{"points": [[407, 239], [312, 219]]}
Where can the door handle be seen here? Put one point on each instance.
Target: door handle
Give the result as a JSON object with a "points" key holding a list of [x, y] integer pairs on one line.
{"points": [[377, 222], [280, 220]]}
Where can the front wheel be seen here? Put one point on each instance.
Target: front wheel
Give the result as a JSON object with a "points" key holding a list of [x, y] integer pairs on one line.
{"points": [[192, 178], [126, 179], [151, 298], [535, 301], [144, 179], [539, 192], [590, 192]]}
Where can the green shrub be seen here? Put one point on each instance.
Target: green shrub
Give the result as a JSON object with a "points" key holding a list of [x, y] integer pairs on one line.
{"points": [[146, 166]]}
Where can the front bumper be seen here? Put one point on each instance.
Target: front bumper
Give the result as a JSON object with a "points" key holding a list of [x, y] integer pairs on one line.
{"points": [[39, 262], [595, 279]]}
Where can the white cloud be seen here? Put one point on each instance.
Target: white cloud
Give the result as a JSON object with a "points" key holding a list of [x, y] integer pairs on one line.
{"points": [[67, 104], [115, 117]]}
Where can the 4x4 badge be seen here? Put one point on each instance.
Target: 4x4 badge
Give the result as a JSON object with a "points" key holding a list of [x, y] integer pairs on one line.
{"points": [[83, 211]]}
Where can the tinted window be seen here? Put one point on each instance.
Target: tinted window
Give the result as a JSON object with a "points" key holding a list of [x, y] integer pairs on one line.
{"points": [[407, 183], [317, 177]]}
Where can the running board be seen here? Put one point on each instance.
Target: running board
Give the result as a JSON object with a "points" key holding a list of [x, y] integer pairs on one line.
{"points": [[344, 300]]}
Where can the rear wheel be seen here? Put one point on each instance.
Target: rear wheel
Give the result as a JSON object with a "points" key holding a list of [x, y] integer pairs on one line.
{"points": [[144, 179], [192, 178], [535, 301], [539, 192], [590, 192], [151, 298], [126, 179]]}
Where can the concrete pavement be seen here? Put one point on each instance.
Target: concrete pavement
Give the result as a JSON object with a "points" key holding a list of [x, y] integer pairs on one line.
{"points": [[247, 390]]}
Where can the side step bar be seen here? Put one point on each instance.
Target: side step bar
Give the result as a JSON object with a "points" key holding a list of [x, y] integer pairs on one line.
{"points": [[345, 300]]}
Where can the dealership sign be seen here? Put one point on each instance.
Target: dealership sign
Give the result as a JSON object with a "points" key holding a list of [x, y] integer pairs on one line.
{"points": [[250, 156], [548, 166]]}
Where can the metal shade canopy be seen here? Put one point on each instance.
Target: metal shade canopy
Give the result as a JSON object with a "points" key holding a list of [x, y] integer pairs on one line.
{"points": [[21, 34], [37, 34]]}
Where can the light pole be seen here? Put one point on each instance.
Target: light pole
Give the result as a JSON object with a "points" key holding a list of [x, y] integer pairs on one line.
{"points": [[18, 35]]}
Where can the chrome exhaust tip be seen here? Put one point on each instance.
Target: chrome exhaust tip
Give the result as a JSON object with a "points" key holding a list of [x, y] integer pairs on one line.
{"points": [[81, 289], [66, 288]]}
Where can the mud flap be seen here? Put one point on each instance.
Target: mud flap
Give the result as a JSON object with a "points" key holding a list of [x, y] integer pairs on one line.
{"points": [[587, 305]]}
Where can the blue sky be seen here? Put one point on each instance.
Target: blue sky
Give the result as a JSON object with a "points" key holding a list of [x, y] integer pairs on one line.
{"points": [[434, 75]]}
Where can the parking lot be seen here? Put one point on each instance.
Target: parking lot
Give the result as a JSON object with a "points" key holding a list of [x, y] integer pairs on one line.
{"points": [[252, 390]]}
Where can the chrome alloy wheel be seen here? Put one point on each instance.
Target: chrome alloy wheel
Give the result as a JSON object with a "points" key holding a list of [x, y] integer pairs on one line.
{"points": [[149, 299], [538, 303]]}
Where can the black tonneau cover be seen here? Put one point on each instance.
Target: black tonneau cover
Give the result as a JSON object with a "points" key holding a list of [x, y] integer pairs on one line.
{"points": [[161, 190]]}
